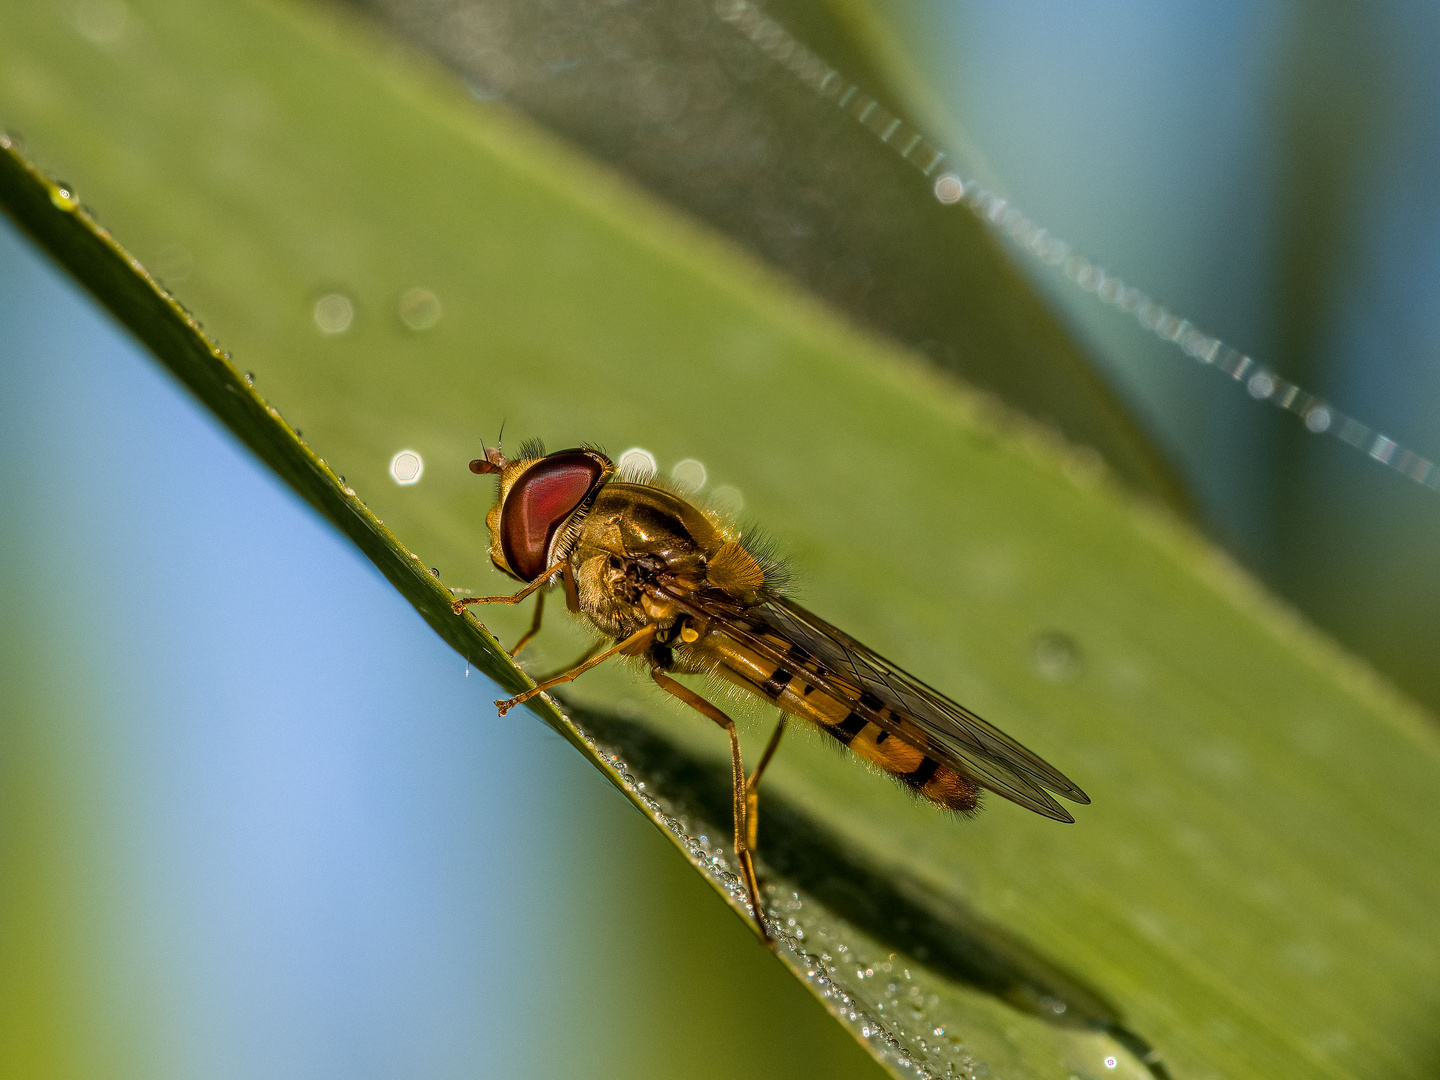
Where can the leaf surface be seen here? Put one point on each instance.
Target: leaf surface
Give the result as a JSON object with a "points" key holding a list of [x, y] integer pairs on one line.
{"points": [[1250, 894]]}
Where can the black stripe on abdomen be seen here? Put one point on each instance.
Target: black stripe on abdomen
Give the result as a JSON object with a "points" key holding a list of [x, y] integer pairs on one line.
{"points": [[922, 774], [848, 728], [777, 683]]}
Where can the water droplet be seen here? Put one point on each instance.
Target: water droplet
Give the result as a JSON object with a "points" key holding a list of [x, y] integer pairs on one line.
{"points": [[636, 461], [1056, 657], [1318, 419], [407, 467], [689, 475], [1110, 1063], [102, 22], [434, 571], [1261, 385], [334, 313], [249, 378], [419, 309], [64, 197], [949, 189]]}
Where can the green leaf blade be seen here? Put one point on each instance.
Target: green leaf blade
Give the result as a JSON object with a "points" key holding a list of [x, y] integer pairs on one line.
{"points": [[1247, 890]]}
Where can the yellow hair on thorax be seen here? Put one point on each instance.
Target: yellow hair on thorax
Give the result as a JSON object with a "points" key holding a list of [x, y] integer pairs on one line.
{"points": [[735, 570]]}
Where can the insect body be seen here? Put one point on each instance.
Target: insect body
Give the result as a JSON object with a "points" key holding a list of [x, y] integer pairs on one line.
{"points": [[677, 589]]}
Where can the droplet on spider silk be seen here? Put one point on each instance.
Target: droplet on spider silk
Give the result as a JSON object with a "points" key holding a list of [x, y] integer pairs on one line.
{"points": [[949, 189]]}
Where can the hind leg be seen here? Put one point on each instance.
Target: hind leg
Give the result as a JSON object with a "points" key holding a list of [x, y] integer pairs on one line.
{"points": [[752, 786], [740, 797]]}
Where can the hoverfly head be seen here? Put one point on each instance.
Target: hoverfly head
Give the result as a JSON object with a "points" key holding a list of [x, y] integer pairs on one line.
{"points": [[541, 502]]}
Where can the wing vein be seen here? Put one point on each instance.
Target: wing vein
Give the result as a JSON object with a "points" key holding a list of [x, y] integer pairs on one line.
{"points": [[909, 709]]}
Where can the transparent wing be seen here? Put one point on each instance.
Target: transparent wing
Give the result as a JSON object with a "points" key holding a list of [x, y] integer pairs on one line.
{"points": [[954, 726], [893, 699]]}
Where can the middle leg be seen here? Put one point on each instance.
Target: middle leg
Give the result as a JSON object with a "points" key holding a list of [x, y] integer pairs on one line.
{"points": [[631, 644], [534, 625], [586, 655]]}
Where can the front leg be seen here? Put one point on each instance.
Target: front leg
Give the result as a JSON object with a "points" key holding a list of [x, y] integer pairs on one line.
{"points": [[460, 605]]}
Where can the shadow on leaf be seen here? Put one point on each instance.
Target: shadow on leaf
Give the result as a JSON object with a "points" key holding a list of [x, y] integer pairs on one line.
{"points": [[896, 909]]}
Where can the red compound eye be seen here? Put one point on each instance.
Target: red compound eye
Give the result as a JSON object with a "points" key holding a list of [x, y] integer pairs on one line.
{"points": [[539, 503]]}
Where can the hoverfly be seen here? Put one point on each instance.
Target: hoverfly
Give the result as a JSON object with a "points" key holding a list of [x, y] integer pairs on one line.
{"points": [[677, 589]]}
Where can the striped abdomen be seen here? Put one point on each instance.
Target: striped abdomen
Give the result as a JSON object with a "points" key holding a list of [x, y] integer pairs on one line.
{"points": [[789, 688]]}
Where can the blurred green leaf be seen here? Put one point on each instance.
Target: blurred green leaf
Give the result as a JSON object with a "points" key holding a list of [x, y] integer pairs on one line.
{"points": [[54, 921], [37, 950], [1250, 892], [676, 96]]}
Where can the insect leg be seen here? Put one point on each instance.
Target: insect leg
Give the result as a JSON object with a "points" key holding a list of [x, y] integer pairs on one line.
{"points": [[640, 637], [460, 605], [752, 786], [534, 626], [737, 775], [586, 655]]}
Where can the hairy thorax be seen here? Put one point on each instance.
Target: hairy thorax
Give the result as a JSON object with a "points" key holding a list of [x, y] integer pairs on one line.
{"points": [[632, 536]]}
